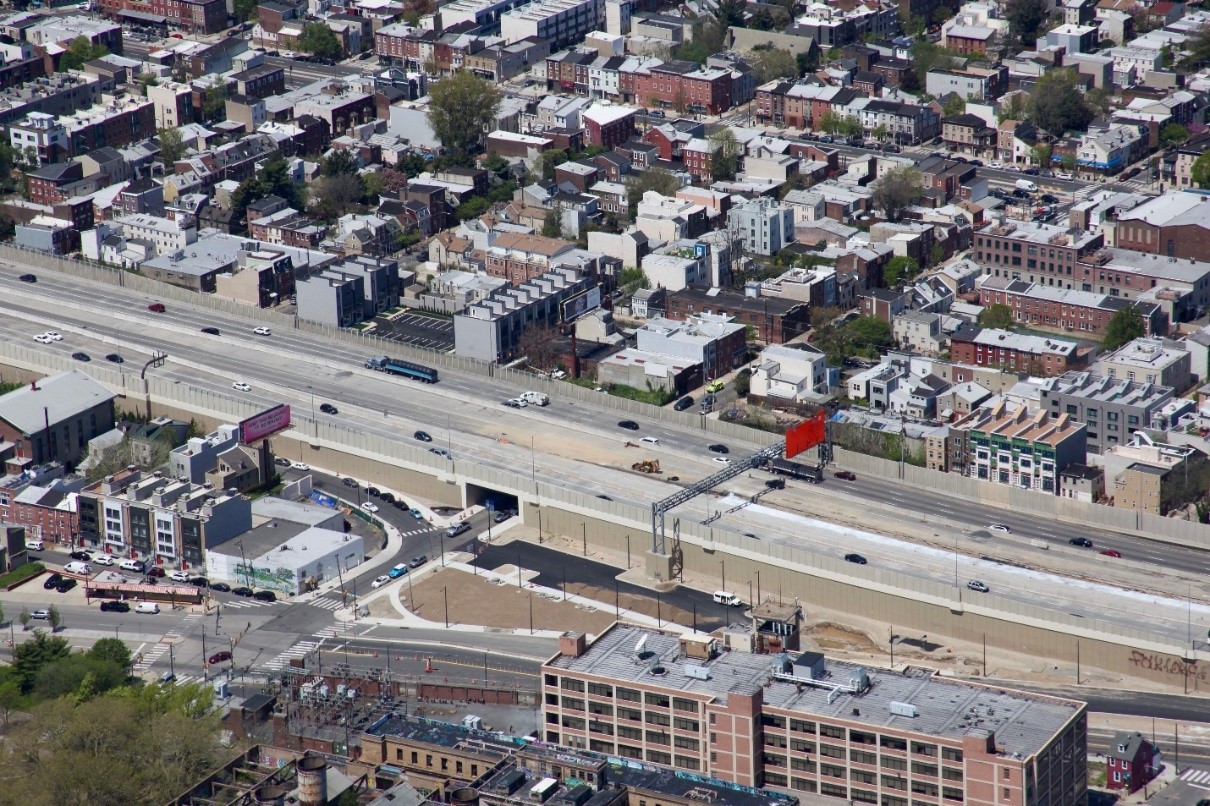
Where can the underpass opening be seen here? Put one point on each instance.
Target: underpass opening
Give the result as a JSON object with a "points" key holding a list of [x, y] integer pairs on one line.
{"points": [[491, 499]]}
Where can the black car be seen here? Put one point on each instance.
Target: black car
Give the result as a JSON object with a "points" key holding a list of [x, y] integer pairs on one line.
{"points": [[423, 436], [1031, 172], [374, 491], [855, 558], [65, 584], [220, 587], [200, 582], [716, 448], [349, 482], [1049, 198], [52, 581], [115, 358], [1021, 193], [387, 498], [629, 425], [80, 555], [81, 356], [28, 278], [977, 163], [242, 591], [213, 331], [604, 497], [328, 408], [684, 403], [265, 596], [1082, 542], [115, 607]]}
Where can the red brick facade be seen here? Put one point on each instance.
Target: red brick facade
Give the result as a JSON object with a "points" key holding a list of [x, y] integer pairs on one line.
{"points": [[964, 350], [39, 520], [195, 16]]}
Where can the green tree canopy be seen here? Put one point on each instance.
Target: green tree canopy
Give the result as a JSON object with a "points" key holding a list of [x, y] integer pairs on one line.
{"points": [[334, 196], [1058, 105], [657, 179], [869, 331], [1025, 17], [80, 52], [954, 105], [897, 189], [340, 161], [1201, 171], [245, 9], [773, 63], [1124, 326], [725, 155], [997, 316], [272, 178], [319, 40], [30, 657], [214, 102], [1173, 133], [898, 270], [172, 146], [471, 208], [460, 108]]}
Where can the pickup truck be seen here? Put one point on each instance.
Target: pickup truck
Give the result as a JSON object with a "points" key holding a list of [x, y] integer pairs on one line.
{"points": [[536, 398]]}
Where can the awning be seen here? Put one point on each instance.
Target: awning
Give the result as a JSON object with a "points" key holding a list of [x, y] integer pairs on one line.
{"points": [[144, 16]]}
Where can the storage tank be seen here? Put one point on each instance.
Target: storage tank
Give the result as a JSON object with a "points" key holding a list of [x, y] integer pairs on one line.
{"points": [[271, 795], [465, 796], [312, 780]]}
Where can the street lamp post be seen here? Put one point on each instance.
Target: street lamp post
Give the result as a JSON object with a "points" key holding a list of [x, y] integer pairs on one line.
{"points": [[115, 630], [627, 552], [314, 421], [722, 572], [584, 535]]}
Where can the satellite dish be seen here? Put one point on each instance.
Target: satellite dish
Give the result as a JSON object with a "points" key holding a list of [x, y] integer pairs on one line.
{"points": [[641, 645]]}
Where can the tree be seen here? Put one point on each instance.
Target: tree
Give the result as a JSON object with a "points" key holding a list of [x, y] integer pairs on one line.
{"points": [[80, 52], [172, 145], [113, 650], [245, 9], [897, 189], [214, 101], [869, 333], [1197, 49], [552, 225], [633, 279], [731, 12], [807, 60], [24, 618], [928, 56], [540, 345], [547, 161], [1058, 106], [1014, 107], [319, 40], [471, 208], [1124, 326], [55, 619], [334, 196], [996, 316], [1200, 173], [954, 105], [880, 132], [1099, 100], [460, 108], [1040, 155], [30, 657], [724, 154], [1025, 17], [340, 161], [374, 185], [272, 178], [898, 270], [773, 63], [657, 179], [10, 698], [1173, 134]]}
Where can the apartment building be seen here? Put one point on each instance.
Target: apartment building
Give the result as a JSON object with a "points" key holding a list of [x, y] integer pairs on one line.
{"points": [[1067, 310], [905, 123], [560, 22], [491, 328], [1036, 252], [978, 84], [116, 121], [676, 85], [193, 16], [1112, 408], [1016, 352], [764, 225], [154, 517], [1150, 361], [331, 297], [165, 234], [1020, 447], [804, 724], [53, 418], [776, 320], [43, 503], [968, 134], [65, 29], [715, 342], [40, 139]]}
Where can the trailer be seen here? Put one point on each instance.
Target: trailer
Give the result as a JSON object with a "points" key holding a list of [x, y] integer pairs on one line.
{"points": [[408, 369], [796, 471]]}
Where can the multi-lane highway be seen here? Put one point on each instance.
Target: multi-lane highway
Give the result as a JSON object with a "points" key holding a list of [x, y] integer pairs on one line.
{"points": [[575, 445]]}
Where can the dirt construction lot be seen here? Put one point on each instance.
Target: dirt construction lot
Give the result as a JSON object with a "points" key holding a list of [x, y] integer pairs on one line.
{"points": [[475, 600]]}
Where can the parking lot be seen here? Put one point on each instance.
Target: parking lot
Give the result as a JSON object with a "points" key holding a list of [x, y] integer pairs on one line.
{"points": [[418, 329]]}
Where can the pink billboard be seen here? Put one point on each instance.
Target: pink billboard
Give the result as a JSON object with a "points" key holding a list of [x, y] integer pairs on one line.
{"points": [[262, 425]]}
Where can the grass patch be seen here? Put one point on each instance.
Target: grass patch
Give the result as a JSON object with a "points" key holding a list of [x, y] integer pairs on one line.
{"points": [[363, 326], [20, 574], [1096, 774], [656, 397], [6, 387]]}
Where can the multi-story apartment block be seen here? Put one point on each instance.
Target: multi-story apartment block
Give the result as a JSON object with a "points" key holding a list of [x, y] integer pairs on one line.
{"points": [[559, 22], [764, 225], [165, 234], [194, 16], [114, 122], [172, 521], [1067, 310], [331, 297], [1039, 253], [968, 134], [42, 500], [287, 227], [491, 328], [1016, 352], [1020, 447], [608, 126], [904, 122], [39, 138], [978, 84], [1151, 361], [1113, 409], [518, 257], [800, 723]]}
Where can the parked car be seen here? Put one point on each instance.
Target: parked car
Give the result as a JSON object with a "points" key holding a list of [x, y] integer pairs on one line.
{"points": [[80, 555], [629, 425], [415, 513], [398, 570], [348, 481], [65, 584], [423, 436], [684, 403], [387, 498], [1031, 172], [369, 506], [219, 657], [1082, 542], [242, 591], [157, 572], [265, 596], [374, 491], [855, 558], [328, 408], [115, 607], [976, 585], [200, 582], [846, 475], [178, 576], [42, 613], [419, 561], [156, 307], [220, 587], [52, 581], [303, 466]]}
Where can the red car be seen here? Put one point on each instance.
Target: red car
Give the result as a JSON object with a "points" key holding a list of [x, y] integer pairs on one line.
{"points": [[156, 307], [155, 571], [1112, 553], [219, 657]]}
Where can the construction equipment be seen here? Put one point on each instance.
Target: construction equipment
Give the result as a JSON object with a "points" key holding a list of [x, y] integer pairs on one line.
{"points": [[647, 466]]}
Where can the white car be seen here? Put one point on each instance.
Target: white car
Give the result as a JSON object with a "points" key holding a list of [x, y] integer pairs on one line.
{"points": [[999, 527], [288, 54], [1062, 175], [300, 466], [380, 581], [650, 440], [369, 506], [178, 576], [103, 559], [240, 386], [263, 331], [42, 338], [722, 460], [519, 402], [53, 335]]}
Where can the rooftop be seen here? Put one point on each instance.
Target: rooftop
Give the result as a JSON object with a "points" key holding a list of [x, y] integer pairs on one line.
{"points": [[1147, 353], [948, 709], [53, 399]]}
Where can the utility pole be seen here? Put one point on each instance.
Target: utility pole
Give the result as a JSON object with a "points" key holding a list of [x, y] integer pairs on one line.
{"points": [[445, 597]]}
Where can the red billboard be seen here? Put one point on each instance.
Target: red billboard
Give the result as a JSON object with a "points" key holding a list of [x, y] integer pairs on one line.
{"points": [[262, 425], [807, 434]]}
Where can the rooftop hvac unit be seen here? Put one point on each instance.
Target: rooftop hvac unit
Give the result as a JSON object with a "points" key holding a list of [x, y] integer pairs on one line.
{"points": [[697, 672], [904, 709]]}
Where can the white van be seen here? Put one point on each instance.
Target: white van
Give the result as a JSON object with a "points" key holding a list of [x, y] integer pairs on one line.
{"points": [[78, 567], [34, 545], [147, 607], [132, 565], [1025, 184], [727, 598]]}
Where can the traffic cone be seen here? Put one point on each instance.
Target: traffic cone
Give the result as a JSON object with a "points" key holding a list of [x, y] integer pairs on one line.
{"points": [[428, 664]]}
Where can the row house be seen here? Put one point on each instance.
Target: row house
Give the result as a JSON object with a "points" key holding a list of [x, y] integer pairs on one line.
{"points": [[46, 509], [569, 70], [114, 122], [905, 123], [502, 62], [1067, 310], [1017, 352], [800, 106], [192, 16], [1112, 150], [519, 258], [679, 85], [1024, 448], [286, 227], [968, 134]]}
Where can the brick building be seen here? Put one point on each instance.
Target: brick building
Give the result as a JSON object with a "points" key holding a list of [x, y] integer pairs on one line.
{"points": [[45, 508], [1017, 352], [777, 321], [802, 723], [52, 420], [194, 16], [678, 85], [1041, 253], [517, 257], [608, 126], [1173, 225], [1067, 310], [1024, 448]]}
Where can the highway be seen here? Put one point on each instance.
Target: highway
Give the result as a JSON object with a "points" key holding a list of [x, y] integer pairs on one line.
{"points": [[580, 446]]}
